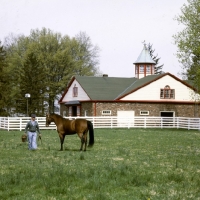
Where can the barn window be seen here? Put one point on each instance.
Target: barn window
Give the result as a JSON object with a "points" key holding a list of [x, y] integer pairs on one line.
{"points": [[106, 112], [144, 112], [75, 91], [167, 93]]}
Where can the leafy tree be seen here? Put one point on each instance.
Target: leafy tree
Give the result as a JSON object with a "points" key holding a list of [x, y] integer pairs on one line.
{"points": [[87, 55], [158, 68], [46, 62], [188, 41]]}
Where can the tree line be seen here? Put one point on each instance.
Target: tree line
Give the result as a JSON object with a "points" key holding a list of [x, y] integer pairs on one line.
{"points": [[41, 65]]}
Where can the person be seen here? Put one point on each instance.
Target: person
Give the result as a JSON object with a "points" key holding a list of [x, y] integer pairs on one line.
{"points": [[32, 127]]}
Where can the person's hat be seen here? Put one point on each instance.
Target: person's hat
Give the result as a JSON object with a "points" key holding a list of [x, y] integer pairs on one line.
{"points": [[33, 115]]}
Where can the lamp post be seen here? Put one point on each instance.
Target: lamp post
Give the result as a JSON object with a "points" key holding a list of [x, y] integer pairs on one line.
{"points": [[27, 96]]}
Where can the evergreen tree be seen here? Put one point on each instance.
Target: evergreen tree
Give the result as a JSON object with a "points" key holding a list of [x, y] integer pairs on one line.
{"points": [[158, 68], [32, 81]]}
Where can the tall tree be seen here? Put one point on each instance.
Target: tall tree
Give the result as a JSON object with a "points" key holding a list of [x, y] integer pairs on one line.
{"points": [[188, 41], [158, 68], [32, 81]]}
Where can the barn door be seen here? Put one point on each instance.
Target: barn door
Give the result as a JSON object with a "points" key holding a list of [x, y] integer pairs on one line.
{"points": [[124, 118]]}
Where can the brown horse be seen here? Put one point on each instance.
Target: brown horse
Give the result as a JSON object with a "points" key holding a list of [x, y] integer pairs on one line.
{"points": [[70, 127]]}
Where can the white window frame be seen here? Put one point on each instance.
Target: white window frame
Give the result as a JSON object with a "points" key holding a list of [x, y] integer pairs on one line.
{"points": [[106, 112], [167, 93], [144, 112]]}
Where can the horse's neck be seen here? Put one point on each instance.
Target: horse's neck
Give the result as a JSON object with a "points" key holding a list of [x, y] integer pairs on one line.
{"points": [[55, 119]]}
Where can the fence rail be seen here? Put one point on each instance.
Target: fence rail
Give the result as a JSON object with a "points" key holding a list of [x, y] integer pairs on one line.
{"points": [[19, 123]]}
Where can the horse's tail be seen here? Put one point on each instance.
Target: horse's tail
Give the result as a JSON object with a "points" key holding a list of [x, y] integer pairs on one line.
{"points": [[91, 133]]}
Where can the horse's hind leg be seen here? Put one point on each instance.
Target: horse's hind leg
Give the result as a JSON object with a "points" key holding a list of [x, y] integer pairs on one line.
{"points": [[85, 135], [84, 141], [80, 135], [83, 138]]}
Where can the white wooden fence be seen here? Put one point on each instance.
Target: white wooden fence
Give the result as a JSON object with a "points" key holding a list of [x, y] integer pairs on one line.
{"points": [[19, 123]]}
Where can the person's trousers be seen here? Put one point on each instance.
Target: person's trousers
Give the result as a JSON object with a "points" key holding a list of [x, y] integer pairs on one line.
{"points": [[32, 140]]}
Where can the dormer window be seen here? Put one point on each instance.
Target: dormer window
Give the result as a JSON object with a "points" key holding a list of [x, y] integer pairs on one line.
{"points": [[167, 93], [75, 91]]}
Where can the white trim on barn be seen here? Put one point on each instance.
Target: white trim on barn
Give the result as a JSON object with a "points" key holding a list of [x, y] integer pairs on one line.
{"points": [[81, 93], [152, 90]]}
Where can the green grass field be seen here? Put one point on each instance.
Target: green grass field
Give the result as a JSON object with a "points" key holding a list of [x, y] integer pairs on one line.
{"points": [[149, 164]]}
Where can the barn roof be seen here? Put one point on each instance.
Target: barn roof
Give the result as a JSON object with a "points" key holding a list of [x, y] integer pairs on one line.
{"points": [[104, 88], [114, 88]]}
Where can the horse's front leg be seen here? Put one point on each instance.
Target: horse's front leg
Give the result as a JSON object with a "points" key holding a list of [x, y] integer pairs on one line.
{"points": [[62, 138]]}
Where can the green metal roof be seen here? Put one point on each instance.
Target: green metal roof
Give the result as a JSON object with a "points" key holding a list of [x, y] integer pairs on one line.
{"points": [[104, 88], [111, 88]]}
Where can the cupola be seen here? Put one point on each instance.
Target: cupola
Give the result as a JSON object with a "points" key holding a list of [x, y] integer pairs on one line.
{"points": [[144, 65]]}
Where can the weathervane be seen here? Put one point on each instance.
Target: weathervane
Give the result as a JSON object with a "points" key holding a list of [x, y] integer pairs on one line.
{"points": [[144, 43]]}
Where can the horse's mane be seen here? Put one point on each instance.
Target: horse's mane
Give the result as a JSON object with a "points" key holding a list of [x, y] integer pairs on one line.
{"points": [[56, 115]]}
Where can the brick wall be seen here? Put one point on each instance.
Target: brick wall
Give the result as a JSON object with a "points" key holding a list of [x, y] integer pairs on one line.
{"points": [[181, 110]]}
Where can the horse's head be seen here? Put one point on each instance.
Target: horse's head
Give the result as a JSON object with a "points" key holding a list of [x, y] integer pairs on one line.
{"points": [[48, 119]]}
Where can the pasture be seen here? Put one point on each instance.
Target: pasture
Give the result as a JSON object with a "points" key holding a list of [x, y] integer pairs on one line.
{"points": [[141, 164]]}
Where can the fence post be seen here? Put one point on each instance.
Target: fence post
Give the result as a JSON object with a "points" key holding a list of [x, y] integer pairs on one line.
{"points": [[8, 124], [177, 123], [199, 125], [188, 124], [93, 122], [20, 123]]}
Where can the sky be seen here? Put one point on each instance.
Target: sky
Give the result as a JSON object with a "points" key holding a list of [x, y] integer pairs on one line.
{"points": [[117, 27]]}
